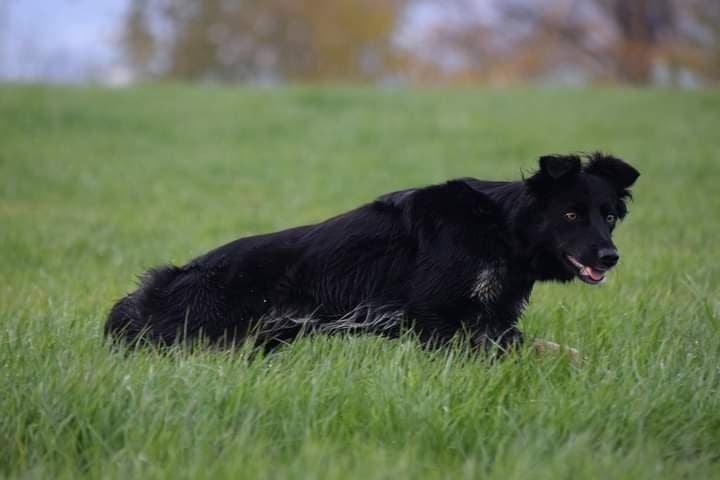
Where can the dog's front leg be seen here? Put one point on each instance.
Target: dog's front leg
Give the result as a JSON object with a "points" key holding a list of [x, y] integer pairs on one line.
{"points": [[498, 343]]}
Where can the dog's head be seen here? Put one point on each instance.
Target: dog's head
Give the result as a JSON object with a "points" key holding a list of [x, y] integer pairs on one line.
{"points": [[578, 206]]}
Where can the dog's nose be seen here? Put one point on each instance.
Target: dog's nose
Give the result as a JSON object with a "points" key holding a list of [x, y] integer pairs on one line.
{"points": [[608, 257]]}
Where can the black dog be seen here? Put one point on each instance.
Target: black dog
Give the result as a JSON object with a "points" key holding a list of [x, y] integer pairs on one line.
{"points": [[457, 257]]}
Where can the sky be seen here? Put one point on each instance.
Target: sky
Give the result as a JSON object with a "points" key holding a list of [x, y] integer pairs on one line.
{"points": [[60, 40], [77, 40]]}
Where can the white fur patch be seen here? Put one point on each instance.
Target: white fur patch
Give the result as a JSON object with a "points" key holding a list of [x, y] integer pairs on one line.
{"points": [[361, 318], [366, 319], [488, 283]]}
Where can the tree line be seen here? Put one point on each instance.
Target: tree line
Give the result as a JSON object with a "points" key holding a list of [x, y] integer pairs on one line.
{"points": [[634, 41]]}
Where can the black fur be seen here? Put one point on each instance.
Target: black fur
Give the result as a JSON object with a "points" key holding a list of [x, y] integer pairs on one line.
{"points": [[457, 257]]}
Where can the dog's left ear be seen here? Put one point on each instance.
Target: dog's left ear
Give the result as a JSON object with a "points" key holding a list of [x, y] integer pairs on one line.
{"points": [[619, 173]]}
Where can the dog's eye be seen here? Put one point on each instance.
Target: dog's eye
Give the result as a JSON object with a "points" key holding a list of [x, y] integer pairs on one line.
{"points": [[610, 218], [572, 216]]}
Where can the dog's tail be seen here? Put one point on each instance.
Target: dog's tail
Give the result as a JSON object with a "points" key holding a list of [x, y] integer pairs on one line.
{"points": [[124, 322], [132, 317]]}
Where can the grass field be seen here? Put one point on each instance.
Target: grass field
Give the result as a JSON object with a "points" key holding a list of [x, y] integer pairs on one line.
{"points": [[96, 186]]}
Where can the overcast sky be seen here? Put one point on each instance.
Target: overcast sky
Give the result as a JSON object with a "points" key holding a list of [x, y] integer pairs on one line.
{"points": [[61, 40]]}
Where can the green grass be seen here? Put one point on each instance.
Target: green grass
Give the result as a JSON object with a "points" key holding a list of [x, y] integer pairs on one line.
{"points": [[96, 186]]}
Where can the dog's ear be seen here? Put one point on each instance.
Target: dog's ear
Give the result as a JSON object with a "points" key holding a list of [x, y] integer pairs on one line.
{"points": [[553, 168], [558, 166], [619, 173]]}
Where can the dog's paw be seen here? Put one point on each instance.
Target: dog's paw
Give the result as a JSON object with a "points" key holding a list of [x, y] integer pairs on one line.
{"points": [[546, 346]]}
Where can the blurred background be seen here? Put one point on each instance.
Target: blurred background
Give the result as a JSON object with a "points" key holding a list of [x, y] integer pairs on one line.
{"points": [[395, 42]]}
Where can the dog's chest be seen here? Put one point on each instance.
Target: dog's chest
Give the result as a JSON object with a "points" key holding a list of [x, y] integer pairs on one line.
{"points": [[489, 282]]}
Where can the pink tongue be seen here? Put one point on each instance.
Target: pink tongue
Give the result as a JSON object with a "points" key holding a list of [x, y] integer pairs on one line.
{"points": [[594, 274]]}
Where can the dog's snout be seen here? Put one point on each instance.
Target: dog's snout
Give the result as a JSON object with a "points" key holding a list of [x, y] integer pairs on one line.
{"points": [[608, 257]]}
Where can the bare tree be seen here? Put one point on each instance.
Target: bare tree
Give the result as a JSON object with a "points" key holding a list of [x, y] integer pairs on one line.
{"points": [[138, 39], [624, 40], [643, 27]]}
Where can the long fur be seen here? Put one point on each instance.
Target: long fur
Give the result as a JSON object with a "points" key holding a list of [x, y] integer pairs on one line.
{"points": [[461, 256]]}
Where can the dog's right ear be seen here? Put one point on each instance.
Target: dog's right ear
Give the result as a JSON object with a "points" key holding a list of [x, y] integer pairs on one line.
{"points": [[554, 168], [557, 166]]}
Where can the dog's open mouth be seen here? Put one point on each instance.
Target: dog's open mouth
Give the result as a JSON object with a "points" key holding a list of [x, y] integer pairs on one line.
{"points": [[591, 275]]}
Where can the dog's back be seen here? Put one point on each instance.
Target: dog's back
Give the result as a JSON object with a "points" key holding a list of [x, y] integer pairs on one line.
{"points": [[392, 259]]}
